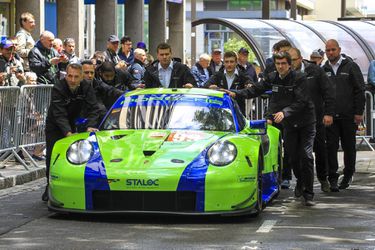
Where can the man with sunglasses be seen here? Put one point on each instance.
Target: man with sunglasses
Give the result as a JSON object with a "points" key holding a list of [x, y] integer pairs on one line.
{"points": [[348, 81], [290, 106]]}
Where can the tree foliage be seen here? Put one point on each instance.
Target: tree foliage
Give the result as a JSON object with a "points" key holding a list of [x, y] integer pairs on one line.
{"points": [[234, 44]]}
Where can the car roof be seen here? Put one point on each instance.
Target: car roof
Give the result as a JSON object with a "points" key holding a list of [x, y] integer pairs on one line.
{"points": [[192, 91]]}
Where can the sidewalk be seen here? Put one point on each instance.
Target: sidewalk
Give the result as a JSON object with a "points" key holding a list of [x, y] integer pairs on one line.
{"points": [[14, 174]]}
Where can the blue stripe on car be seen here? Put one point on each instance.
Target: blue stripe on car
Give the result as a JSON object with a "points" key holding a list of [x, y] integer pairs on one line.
{"points": [[95, 174], [269, 186], [194, 177]]}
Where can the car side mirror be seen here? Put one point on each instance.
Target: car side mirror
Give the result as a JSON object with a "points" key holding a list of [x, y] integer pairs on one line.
{"points": [[260, 125]]}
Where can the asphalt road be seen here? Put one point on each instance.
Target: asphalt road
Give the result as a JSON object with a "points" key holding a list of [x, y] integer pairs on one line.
{"points": [[344, 220]]}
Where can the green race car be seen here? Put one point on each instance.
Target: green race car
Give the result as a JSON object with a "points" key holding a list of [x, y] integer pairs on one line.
{"points": [[175, 151]]}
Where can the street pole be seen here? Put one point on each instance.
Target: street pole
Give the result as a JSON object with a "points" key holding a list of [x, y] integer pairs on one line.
{"points": [[193, 32], [343, 8], [293, 9], [266, 9]]}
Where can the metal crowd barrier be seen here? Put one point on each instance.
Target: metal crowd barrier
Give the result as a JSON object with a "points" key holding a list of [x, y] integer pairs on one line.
{"points": [[366, 132], [8, 106], [29, 106]]}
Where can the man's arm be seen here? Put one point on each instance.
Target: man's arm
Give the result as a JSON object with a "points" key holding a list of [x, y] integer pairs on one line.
{"points": [[59, 111]]}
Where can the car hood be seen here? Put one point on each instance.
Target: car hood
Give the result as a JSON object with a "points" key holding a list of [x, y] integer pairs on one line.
{"points": [[152, 149]]}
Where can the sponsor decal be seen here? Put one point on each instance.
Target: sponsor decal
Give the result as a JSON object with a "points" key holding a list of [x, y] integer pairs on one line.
{"points": [[246, 178], [142, 182]]}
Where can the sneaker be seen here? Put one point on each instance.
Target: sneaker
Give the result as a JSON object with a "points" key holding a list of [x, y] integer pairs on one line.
{"points": [[45, 194], [324, 186], [309, 203], [345, 183], [298, 190], [38, 158], [285, 184], [334, 188]]}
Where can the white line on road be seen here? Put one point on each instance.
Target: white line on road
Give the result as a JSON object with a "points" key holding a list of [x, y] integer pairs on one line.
{"points": [[266, 226]]}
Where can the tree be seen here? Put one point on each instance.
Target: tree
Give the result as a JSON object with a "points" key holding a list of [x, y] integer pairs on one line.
{"points": [[234, 44]]}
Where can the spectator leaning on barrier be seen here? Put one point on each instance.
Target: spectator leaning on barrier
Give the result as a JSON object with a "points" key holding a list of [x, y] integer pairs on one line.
{"points": [[71, 98], [201, 70], [167, 73], [11, 68], [25, 40], [230, 78], [137, 69], [111, 51], [43, 59], [349, 106], [105, 94], [322, 94]]}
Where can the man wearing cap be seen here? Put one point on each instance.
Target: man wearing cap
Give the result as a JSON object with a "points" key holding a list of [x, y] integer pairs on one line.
{"points": [[111, 51], [167, 73], [11, 68], [317, 56], [24, 38], [126, 52], [216, 63], [245, 66], [43, 59]]}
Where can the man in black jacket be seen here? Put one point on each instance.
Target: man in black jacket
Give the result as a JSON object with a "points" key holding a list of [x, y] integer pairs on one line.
{"points": [[350, 103], [167, 73], [71, 98], [106, 95], [230, 78], [322, 94], [118, 78], [43, 59], [291, 106]]}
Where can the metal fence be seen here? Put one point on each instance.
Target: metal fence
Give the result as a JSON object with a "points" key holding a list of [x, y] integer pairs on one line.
{"points": [[23, 114]]}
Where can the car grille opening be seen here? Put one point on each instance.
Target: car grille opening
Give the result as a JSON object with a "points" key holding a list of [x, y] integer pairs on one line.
{"points": [[170, 201]]}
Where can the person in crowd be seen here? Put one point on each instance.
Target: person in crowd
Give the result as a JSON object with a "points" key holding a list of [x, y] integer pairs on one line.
{"points": [[322, 94], [137, 69], [317, 56], [167, 73], [24, 38], [245, 65], [348, 81], [126, 52], [291, 106], [106, 95], [43, 59], [111, 51], [68, 51], [72, 98], [280, 46], [230, 78], [10, 67], [201, 70], [57, 45], [119, 79], [98, 58], [216, 62]]}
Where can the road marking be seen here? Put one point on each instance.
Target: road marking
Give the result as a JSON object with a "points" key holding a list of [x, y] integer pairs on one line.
{"points": [[266, 227], [302, 227]]}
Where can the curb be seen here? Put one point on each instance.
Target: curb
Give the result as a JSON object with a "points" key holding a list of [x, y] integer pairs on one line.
{"points": [[11, 181]]}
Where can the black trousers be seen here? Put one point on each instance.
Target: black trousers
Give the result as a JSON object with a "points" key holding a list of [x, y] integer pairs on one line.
{"points": [[320, 149], [287, 171], [51, 138], [344, 130], [299, 146]]}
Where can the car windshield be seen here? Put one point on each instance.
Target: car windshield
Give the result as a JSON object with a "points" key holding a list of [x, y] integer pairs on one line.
{"points": [[178, 111]]}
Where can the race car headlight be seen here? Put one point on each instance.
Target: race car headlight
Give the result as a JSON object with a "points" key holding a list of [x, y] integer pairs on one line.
{"points": [[222, 153], [79, 152]]}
